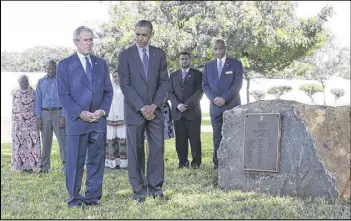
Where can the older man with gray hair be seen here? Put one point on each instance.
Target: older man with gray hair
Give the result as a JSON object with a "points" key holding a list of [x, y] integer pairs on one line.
{"points": [[85, 92]]}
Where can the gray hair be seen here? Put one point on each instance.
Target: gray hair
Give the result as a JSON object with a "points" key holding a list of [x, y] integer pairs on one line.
{"points": [[76, 33], [144, 23], [22, 76]]}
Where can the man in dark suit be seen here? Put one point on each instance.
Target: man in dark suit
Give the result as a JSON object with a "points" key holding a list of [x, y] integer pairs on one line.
{"points": [[143, 78], [85, 92], [185, 93], [221, 82]]}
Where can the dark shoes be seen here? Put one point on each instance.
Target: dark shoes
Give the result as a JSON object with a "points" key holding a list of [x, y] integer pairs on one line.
{"points": [[215, 167], [186, 165], [28, 170], [93, 203], [161, 197]]}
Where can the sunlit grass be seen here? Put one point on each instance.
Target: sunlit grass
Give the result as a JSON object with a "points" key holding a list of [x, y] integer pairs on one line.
{"points": [[194, 195]]}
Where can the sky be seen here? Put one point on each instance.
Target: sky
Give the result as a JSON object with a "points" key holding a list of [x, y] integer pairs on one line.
{"points": [[28, 24]]}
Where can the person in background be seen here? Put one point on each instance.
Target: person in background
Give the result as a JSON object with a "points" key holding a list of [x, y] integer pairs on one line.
{"points": [[116, 144], [221, 81], [25, 133], [50, 117], [185, 92]]}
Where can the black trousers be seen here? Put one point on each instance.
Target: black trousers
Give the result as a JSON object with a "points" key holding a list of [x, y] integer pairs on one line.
{"points": [[188, 130]]}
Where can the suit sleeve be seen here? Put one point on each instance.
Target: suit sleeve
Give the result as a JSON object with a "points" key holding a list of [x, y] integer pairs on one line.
{"points": [[238, 82], [108, 92], [162, 83], [206, 86], [192, 100], [171, 93], [129, 93], [72, 109]]}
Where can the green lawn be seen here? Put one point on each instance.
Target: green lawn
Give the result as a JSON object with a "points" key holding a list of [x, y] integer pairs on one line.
{"points": [[194, 195]]}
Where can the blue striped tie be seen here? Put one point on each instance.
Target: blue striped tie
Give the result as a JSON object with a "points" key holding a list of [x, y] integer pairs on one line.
{"points": [[89, 70]]}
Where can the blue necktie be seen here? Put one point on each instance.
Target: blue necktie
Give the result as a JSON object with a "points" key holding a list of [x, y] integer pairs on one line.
{"points": [[220, 67], [145, 63], [89, 70]]}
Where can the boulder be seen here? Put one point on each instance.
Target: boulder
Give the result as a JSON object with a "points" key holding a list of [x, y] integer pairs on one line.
{"points": [[314, 151]]}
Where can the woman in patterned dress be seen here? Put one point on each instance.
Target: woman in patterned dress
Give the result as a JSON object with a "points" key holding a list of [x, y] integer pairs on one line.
{"points": [[116, 145], [25, 134]]}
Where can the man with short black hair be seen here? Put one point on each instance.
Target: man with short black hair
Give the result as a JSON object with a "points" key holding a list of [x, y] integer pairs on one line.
{"points": [[185, 93]]}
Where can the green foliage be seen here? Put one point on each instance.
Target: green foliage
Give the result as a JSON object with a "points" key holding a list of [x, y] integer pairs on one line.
{"points": [[265, 35], [194, 195], [338, 93], [33, 59], [258, 94], [279, 91], [311, 88]]}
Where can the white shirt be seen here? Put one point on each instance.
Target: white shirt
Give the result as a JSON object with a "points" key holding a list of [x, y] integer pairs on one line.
{"points": [[223, 61], [82, 60]]}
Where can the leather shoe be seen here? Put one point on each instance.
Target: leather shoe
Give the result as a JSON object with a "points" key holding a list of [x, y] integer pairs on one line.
{"points": [[93, 203], [140, 201], [161, 197], [186, 165]]}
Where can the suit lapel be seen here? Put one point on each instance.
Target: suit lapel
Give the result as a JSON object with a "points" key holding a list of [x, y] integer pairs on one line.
{"points": [[136, 57], [95, 72], [188, 76], [225, 68], [180, 78], [151, 62], [77, 65]]}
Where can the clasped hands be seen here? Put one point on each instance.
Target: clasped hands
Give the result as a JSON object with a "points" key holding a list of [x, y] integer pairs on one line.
{"points": [[148, 111], [91, 117], [182, 107], [219, 101]]}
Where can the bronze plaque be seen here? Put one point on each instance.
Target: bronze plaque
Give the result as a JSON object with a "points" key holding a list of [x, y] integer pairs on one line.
{"points": [[262, 142]]}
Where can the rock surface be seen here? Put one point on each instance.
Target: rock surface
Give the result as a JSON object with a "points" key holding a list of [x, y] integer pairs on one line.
{"points": [[314, 151]]}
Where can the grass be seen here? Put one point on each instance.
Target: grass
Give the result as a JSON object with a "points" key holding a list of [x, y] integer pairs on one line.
{"points": [[194, 195], [205, 119]]}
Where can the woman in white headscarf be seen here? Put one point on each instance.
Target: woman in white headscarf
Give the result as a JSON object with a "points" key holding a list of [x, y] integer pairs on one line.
{"points": [[116, 144], [25, 134]]}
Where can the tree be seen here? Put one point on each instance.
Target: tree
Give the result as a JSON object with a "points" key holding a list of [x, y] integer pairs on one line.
{"points": [[310, 89], [338, 93], [330, 60], [258, 94], [33, 59], [265, 35], [279, 91]]}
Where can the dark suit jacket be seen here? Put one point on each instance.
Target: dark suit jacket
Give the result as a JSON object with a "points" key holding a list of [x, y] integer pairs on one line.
{"points": [[76, 94], [188, 92], [138, 91], [227, 87]]}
